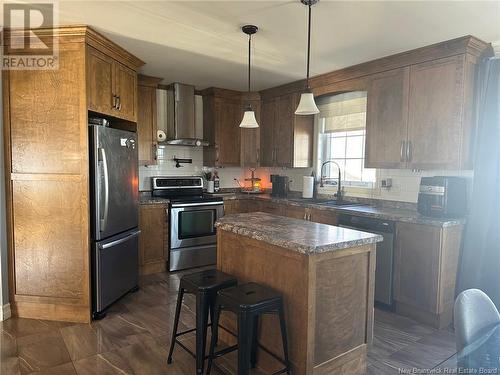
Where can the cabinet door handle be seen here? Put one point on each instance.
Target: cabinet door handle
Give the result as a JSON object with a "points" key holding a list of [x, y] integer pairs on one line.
{"points": [[119, 103], [305, 215], [402, 156], [114, 101], [155, 152], [216, 153], [408, 151]]}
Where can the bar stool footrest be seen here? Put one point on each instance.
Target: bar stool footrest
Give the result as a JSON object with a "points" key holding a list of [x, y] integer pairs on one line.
{"points": [[220, 353]]}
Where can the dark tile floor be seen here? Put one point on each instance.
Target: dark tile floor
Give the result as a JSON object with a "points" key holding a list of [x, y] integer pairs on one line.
{"points": [[133, 339]]}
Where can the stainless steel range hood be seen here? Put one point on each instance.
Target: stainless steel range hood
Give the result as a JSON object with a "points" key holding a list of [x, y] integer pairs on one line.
{"points": [[181, 128]]}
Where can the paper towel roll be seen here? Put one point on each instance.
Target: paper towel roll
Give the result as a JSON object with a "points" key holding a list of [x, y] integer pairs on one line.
{"points": [[160, 135], [308, 187]]}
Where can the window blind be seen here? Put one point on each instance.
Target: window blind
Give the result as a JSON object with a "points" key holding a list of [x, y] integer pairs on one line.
{"points": [[344, 115]]}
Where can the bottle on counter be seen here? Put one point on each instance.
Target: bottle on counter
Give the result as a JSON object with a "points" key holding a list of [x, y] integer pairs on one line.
{"points": [[216, 181]]}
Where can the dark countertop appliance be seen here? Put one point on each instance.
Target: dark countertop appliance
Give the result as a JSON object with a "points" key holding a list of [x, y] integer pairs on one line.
{"points": [[280, 185], [192, 216], [442, 196]]}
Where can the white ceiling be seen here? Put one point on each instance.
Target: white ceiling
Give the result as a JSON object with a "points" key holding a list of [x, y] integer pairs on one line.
{"points": [[200, 42]]}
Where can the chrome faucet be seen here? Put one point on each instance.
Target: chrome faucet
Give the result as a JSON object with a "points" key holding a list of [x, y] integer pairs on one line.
{"points": [[322, 179]]}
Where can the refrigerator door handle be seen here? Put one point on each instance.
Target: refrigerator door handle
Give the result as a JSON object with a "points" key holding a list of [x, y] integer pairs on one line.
{"points": [[104, 220], [121, 240]]}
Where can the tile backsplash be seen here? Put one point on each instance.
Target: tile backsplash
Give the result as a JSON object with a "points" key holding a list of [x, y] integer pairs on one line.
{"points": [[166, 166], [405, 183]]}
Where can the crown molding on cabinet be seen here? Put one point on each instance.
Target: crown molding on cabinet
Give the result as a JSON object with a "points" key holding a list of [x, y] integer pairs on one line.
{"points": [[79, 33], [470, 45]]}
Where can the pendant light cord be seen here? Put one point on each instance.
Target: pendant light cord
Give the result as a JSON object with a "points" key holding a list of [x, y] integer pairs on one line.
{"points": [[249, 54], [308, 44]]}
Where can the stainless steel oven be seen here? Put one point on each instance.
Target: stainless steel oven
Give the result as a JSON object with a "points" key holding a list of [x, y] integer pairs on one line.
{"points": [[192, 217], [193, 224], [193, 240]]}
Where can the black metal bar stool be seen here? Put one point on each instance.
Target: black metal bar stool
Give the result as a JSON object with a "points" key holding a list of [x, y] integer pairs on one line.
{"points": [[248, 302], [204, 285]]}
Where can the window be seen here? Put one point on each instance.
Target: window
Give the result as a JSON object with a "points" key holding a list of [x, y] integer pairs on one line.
{"points": [[341, 139]]}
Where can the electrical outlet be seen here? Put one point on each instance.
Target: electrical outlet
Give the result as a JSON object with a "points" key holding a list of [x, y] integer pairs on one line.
{"points": [[386, 183]]}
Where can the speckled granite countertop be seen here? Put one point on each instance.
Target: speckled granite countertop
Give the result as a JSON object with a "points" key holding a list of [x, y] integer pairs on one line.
{"points": [[384, 213], [147, 198], [302, 236]]}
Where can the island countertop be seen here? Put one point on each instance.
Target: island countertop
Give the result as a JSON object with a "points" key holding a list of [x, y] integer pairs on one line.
{"points": [[298, 235]]}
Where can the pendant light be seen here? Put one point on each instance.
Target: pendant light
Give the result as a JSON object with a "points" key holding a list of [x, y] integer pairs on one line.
{"points": [[307, 105], [249, 120]]}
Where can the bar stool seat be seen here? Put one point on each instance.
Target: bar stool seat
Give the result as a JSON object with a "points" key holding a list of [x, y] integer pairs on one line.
{"points": [[248, 302], [204, 285], [251, 296], [207, 281]]}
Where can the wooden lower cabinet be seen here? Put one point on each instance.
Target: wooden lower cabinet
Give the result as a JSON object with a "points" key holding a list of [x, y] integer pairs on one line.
{"points": [[328, 303], [425, 270], [235, 206], [153, 240], [271, 208], [297, 212], [323, 216]]}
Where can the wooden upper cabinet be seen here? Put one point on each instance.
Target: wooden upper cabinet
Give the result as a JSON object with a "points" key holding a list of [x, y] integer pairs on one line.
{"points": [[47, 165], [111, 86], [303, 140], [222, 114], [267, 128], [250, 137], [146, 119], [100, 82], [422, 116], [284, 130], [436, 114], [126, 92], [227, 139], [286, 139], [387, 119]]}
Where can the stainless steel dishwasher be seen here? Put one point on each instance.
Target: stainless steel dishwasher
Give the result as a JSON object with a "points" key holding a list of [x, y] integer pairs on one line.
{"points": [[385, 253]]}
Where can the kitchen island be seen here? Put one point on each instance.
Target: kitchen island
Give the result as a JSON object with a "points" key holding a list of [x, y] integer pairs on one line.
{"points": [[326, 275]]}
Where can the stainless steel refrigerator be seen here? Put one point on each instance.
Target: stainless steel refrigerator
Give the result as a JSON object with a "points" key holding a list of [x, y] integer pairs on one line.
{"points": [[114, 215]]}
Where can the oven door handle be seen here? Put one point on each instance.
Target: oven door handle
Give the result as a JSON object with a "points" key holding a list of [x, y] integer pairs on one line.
{"points": [[180, 205]]}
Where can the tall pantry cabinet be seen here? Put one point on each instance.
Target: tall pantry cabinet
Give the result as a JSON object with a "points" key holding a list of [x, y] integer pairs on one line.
{"points": [[47, 168]]}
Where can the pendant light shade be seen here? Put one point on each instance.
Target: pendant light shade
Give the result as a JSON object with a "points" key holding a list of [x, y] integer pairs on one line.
{"points": [[249, 120], [307, 105]]}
